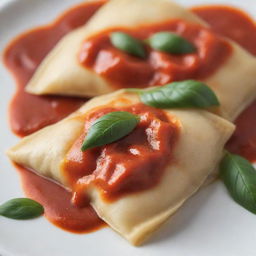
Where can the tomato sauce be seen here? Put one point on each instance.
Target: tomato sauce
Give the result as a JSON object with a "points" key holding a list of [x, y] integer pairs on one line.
{"points": [[29, 113], [158, 68], [232, 23], [57, 207], [238, 26], [243, 141], [134, 163]]}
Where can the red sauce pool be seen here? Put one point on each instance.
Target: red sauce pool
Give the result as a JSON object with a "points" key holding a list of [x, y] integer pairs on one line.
{"points": [[29, 113], [232, 23], [57, 204]]}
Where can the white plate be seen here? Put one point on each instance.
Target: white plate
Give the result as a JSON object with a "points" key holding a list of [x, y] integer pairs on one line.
{"points": [[210, 224]]}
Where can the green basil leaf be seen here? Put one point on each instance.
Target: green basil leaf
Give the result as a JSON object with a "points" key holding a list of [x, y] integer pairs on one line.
{"points": [[21, 209], [239, 177], [128, 44], [109, 128], [184, 94], [170, 43]]}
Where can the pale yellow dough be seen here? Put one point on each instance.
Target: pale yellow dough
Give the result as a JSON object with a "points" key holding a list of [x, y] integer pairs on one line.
{"points": [[196, 153], [61, 74]]}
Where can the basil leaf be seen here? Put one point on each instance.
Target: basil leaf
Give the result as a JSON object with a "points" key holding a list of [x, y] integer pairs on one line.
{"points": [[109, 128], [184, 94], [170, 43], [128, 44], [21, 209], [239, 177]]}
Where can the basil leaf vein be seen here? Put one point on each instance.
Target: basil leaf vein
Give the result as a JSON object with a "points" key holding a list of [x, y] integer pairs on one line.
{"points": [[239, 176], [184, 94], [109, 128], [21, 209]]}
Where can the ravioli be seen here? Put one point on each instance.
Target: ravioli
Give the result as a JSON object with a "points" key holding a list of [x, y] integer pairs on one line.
{"points": [[61, 72], [195, 154]]}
